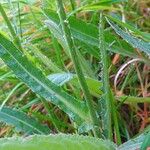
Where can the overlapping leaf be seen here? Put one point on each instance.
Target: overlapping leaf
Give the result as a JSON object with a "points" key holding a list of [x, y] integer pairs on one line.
{"points": [[144, 35], [22, 122], [135, 42], [62, 78], [88, 34], [34, 78], [58, 34], [134, 143]]}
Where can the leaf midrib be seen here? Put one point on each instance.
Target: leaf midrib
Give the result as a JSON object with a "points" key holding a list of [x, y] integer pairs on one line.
{"points": [[19, 120], [47, 88]]}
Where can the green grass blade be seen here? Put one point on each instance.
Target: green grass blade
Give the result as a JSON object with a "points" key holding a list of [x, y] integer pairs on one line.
{"points": [[10, 94], [58, 34], [102, 5], [146, 143], [44, 59], [98, 7], [87, 70], [89, 35], [10, 27], [58, 52], [51, 115], [22, 122], [73, 52], [134, 143], [129, 27], [135, 42], [73, 4], [34, 78], [133, 99]]}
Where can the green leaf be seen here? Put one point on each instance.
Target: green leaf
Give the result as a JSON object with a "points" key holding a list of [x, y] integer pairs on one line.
{"points": [[135, 42], [10, 94], [10, 27], [63, 78], [133, 99], [56, 142], [134, 143], [58, 34], [22, 122], [34, 78], [47, 61], [89, 35], [108, 2], [77, 66], [146, 142], [102, 5], [108, 110], [98, 7], [144, 35]]}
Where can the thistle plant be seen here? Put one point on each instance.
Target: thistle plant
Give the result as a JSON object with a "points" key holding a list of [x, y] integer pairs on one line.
{"points": [[49, 65]]}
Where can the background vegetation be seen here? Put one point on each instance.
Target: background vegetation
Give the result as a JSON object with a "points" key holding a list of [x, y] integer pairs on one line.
{"points": [[91, 77]]}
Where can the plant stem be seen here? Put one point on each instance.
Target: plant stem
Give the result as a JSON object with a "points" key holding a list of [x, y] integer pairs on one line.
{"points": [[19, 16], [69, 39], [109, 107], [11, 29], [115, 119], [50, 114], [132, 99], [72, 4], [107, 125]]}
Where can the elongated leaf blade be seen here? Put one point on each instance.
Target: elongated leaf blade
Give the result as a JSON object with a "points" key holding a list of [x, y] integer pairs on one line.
{"points": [[63, 78], [133, 144], [144, 35], [88, 34], [135, 42], [146, 142], [22, 122], [58, 34], [48, 62], [34, 78]]}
